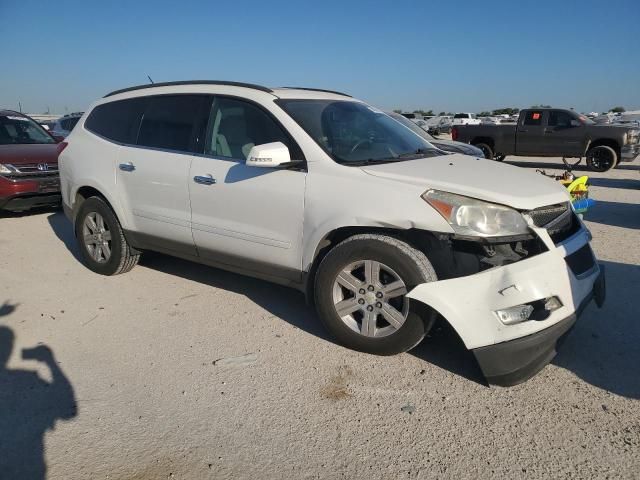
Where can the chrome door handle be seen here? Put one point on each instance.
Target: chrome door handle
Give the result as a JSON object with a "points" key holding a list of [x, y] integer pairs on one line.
{"points": [[204, 179], [127, 167]]}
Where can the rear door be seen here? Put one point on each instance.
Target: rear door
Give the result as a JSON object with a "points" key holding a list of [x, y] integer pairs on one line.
{"points": [[561, 138], [247, 217], [152, 175], [530, 132]]}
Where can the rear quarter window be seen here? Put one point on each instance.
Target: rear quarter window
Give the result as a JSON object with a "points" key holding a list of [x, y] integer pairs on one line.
{"points": [[117, 121]]}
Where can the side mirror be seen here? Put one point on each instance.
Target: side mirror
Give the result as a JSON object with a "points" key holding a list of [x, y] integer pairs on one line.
{"points": [[576, 123], [269, 155]]}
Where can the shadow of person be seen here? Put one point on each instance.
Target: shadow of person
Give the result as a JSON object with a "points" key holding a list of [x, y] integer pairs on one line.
{"points": [[29, 406]]}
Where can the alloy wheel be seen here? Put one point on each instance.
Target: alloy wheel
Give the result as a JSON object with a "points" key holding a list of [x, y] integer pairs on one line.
{"points": [[370, 298], [97, 237]]}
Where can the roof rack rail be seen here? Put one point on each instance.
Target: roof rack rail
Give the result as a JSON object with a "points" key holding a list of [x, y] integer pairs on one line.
{"points": [[190, 82], [318, 90]]}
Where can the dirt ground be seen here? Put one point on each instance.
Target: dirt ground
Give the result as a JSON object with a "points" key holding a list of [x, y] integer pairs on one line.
{"points": [[176, 370]]}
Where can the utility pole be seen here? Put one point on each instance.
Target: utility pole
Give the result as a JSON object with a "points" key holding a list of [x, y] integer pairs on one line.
{"points": [[20, 106]]}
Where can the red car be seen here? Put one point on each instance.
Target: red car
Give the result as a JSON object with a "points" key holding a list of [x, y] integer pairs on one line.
{"points": [[28, 164]]}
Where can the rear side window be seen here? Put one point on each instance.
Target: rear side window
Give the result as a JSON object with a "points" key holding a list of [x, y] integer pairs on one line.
{"points": [[172, 122], [559, 119], [461, 115], [533, 117], [117, 121]]}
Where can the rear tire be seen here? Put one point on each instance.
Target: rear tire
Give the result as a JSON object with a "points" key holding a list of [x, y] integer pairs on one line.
{"points": [[602, 158], [486, 149], [103, 246], [376, 317], [500, 158]]}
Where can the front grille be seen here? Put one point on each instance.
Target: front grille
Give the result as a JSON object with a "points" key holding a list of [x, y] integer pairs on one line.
{"points": [[564, 228], [581, 260], [543, 216], [33, 169]]}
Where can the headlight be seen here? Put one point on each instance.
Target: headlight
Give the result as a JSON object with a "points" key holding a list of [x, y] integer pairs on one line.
{"points": [[475, 218], [4, 169]]}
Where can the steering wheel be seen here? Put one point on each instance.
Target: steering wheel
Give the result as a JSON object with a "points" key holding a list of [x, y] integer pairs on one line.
{"points": [[359, 144]]}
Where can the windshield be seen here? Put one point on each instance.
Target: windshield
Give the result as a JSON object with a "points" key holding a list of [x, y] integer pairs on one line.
{"points": [[16, 129], [354, 133], [411, 125]]}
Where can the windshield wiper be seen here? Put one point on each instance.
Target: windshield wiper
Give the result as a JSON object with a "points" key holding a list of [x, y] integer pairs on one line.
{"points": [[416, 153]]}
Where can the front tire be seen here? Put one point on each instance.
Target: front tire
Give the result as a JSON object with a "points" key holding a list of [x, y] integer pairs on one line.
{"points": [[103, 246], [360, 294], [602, 158]]}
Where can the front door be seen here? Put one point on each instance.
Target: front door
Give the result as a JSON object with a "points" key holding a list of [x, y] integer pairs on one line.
{"points": [[561, 136], [247, 217], [152, 176]]}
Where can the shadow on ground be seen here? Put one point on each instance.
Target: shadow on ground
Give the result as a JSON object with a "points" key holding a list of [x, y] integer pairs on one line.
{"points": [[603, 347], [623, 183], [29, 406], [626, 215], [27, 213], [61, 226]]}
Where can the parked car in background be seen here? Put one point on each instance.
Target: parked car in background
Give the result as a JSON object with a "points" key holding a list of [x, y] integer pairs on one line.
{"points": [[262, 181], [62, 126], [438, 125], [446, 145], [552, 132], [28, 164], [465, 119]]}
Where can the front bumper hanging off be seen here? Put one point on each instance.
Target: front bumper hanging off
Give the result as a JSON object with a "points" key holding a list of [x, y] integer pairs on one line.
{"points": [[511, 353], [515, 361]]}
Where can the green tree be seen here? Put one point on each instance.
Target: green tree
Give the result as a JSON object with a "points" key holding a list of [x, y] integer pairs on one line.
{"points": [[484, 114], [540, 106], [441, 114], [617, 109]]}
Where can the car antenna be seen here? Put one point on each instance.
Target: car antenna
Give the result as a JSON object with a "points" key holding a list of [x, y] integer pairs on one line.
{"points": [[150, 79]]}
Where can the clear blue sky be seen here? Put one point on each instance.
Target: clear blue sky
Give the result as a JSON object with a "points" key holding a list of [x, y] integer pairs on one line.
{"points": [[445, 55]]}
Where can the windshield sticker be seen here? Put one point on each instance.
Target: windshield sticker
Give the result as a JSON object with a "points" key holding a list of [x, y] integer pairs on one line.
{"points": [[536, 116]]}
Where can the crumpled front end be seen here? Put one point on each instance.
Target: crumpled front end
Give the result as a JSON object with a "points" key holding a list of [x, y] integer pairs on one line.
{"points": [[512, 316]]}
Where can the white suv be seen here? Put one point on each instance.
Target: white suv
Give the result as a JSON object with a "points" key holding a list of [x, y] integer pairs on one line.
{"points": [[322, 192]]}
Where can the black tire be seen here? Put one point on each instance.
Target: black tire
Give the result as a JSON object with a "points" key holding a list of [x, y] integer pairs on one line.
{"points": [[413, 268], [499, 158], [122, 256], [486, 149], [602, 158]]}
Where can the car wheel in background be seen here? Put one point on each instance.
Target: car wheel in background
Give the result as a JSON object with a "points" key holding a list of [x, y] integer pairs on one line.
{"points": [[602, 158], [360, 294], [499, 158], [102, 243], [486, 150]]}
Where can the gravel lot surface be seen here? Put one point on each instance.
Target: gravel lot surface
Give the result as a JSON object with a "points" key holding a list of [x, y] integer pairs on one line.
{"points": [[184, 371]]}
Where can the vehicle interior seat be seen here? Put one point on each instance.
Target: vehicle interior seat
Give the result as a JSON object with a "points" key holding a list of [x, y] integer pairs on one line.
{"points": [[232, 139]]}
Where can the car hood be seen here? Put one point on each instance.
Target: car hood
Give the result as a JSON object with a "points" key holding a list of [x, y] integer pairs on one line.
{"points": [[478, 178], [29, 153]]}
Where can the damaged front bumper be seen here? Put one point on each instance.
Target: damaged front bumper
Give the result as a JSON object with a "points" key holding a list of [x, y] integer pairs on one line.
{"points": [[511, 353]]}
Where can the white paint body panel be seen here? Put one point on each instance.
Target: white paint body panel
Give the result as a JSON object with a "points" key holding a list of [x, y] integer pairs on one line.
{"points": [[250, 212]]}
